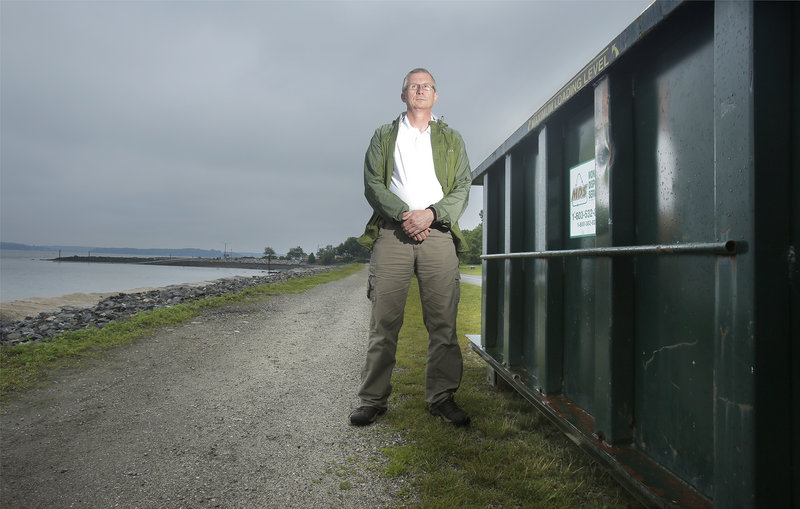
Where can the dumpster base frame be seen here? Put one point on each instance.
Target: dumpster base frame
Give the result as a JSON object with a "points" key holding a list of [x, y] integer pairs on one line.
{"points": [[626, 464]]}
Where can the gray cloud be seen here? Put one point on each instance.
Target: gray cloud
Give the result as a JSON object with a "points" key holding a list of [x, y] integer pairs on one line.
{"points": [[193, 124]]}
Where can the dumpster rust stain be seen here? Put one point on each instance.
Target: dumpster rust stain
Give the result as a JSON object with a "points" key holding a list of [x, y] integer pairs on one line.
{"points": [[723, 334], [743, 407], [570, 412], [634, 463]]}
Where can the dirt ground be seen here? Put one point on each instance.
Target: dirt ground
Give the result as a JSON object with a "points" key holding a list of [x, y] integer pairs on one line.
{"points": [[246, 406]]}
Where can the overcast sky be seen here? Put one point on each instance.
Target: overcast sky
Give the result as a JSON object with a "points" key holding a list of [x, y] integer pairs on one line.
{"points": [[240, 125]]}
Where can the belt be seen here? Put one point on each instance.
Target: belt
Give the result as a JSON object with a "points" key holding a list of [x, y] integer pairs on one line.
{"points": [[390, 223]]}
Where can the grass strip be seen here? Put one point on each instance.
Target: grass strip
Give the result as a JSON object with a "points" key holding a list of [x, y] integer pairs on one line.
{"points": [[22, 366], [474, 269], [510, 456]]}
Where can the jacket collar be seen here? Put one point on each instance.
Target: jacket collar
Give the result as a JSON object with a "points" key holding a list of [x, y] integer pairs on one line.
{"points": [[434, 120]]}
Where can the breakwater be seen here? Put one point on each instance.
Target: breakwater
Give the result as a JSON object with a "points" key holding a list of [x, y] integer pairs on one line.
{"points": [[47, 325], [228, 263]]}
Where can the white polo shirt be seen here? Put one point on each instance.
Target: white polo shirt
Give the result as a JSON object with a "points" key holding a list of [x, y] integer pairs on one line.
{"points": [[414, 178]]}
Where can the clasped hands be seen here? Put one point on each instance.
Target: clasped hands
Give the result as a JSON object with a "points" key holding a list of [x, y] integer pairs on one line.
{"points": [[417, 224]]}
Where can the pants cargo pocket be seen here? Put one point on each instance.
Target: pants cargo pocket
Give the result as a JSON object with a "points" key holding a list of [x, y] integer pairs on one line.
{"points": [[371, 286]]}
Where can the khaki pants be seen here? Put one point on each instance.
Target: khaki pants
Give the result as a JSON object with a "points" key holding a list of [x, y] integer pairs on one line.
{"points": [[395, 258]]}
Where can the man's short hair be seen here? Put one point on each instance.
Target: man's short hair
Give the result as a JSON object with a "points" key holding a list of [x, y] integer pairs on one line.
{"points": [[415, 71]]}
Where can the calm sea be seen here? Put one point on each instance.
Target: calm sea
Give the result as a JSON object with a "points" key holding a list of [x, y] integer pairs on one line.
{"points": [[26, 274]]}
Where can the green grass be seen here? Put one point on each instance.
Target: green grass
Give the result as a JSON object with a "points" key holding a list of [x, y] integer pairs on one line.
{"points": [[510, 456], [22, 366], [474, 269]]}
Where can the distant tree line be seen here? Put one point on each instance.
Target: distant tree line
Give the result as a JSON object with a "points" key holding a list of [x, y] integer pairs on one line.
{"points": [[351, 251], [295, 253], [347, 252]]}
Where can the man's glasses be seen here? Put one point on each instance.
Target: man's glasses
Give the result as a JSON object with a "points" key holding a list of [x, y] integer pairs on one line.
{"points": [[425, 86]]}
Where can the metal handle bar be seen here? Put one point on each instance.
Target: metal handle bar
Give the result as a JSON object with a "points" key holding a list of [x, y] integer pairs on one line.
{"points": [[727, 248]]}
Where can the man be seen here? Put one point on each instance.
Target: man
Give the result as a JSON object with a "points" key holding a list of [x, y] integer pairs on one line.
{"points": [[417, 180]]}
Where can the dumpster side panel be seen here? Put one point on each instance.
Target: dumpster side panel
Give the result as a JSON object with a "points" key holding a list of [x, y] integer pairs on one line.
{"points": [[734, 391], [674, 203]]}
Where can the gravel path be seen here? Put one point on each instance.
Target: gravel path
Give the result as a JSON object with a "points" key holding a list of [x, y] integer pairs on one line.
{"points": [[246, 406]]}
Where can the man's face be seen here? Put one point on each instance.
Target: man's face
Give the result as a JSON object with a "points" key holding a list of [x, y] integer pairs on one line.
{"points": [[420, 94]]}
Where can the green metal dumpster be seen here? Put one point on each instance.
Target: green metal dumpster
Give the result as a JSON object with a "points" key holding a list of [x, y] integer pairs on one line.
{"points": [[640, 272]]}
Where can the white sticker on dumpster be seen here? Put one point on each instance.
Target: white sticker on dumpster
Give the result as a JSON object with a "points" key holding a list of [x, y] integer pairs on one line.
{"points": [[581, 185]]}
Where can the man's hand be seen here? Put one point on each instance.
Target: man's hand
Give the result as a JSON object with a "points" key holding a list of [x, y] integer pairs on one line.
{"points": [[417, 224], [422, 235]]}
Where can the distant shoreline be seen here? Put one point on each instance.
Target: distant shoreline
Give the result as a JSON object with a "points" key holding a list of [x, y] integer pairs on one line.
{"points": [[229, 263]]}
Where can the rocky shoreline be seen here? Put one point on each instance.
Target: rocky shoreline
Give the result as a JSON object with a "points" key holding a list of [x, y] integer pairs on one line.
{"points": [[48, 324]]}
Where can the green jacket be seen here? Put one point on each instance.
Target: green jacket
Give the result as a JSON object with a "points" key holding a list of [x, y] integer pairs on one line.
{"points": [[452, 170]]}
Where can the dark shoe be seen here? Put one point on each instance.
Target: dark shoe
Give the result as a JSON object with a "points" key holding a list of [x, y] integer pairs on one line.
{"points": [[364, 415], [450, 412]]}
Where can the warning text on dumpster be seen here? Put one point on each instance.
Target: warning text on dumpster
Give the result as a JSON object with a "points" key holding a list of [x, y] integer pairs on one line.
{"points": [[581, 186]]}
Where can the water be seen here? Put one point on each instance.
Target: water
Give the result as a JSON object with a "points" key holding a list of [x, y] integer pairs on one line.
{"points": [[25, 274]]}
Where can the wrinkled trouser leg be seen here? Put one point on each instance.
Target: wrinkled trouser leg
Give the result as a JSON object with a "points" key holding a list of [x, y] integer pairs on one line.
{"points": [[439, 289], [390, 269], [394, 260]]}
